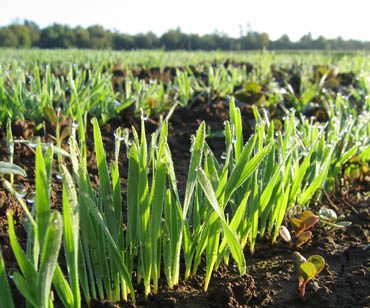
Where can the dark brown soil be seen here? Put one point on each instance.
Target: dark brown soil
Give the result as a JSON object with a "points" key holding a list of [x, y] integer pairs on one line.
{"points": [[270, 280]]}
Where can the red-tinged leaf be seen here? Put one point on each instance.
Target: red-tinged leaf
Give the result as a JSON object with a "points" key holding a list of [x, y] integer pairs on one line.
{"points": [[310, 222], [318, 262], [302, 238], [302, 287], [306, 272]]}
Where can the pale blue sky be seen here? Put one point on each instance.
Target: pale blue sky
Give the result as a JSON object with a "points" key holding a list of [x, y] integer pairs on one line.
{"points": [[349, 19]]}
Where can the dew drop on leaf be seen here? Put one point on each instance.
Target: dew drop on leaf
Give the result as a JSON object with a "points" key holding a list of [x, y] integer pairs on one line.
{"points": [[31, 197], [20, 190], [75, 124]]}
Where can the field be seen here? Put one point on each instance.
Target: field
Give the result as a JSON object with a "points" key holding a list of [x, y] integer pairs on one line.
{"points": [[170, 179]]}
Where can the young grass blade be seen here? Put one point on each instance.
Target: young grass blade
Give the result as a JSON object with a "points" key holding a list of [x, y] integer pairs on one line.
{"points": [[231, 237], [318, 181], [213, 242], [6, 298], [171, 172], [201, 243], [26, 266], [253, 212], [144, 212], [62, 287], [42, 196], [112, 219], [281, 211], [234, 225], [10, 146], [156, 205], [49, 257], [298, 178], [71, 218], [236, 121], [243, 169], [105, 186], [25, 289], [9, 168], [132, 202], [115, 254], [238, 167], [196, 158]]}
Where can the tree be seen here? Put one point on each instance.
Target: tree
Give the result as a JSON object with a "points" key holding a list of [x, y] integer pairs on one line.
{"points": [[209, 42], [173, 39], [146, 41], [57, 36], [82, 37], [22, 34], [320, 43], [7, 38], [123, 41], [306, 41], [222, 41], [34, 31], [263, 41], [194, 42], [99, 37], [282, 43]]}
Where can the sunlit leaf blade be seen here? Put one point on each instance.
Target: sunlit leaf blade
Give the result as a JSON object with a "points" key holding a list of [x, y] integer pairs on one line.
{"points": [[115, 254], [316, 183], [307, 271], [244, 168], [42, 196], [49, 257], [6, 299], [25, 289], [71, 218], [196, 158], [231, 237], [24, 263], [62, 287], [318, 261]]}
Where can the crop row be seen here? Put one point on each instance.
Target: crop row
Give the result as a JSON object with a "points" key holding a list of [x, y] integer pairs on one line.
{"points": [[33, 82], [227, 204]]}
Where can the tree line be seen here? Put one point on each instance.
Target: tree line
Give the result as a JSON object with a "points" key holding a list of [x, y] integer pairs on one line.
{"points": [[29, 34]]}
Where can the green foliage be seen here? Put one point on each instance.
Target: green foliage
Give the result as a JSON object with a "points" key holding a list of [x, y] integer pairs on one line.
{"points": [[286, 162], [44, 240], [300, 226], [6, 299], [9, 168], [96, 37], [307, 269]]}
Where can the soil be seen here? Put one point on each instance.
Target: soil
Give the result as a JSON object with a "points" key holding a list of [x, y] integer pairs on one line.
{"points": [[270, 280]]}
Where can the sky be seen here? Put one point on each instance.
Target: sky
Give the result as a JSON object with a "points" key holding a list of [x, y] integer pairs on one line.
{"points": [[348, 19]]}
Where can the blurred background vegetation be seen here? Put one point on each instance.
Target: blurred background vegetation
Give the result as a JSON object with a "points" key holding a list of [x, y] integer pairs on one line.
{"points": [[28, 34]]}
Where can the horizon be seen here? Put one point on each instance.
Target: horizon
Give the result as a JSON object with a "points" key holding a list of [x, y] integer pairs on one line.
{"points": [[330, 19]]}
